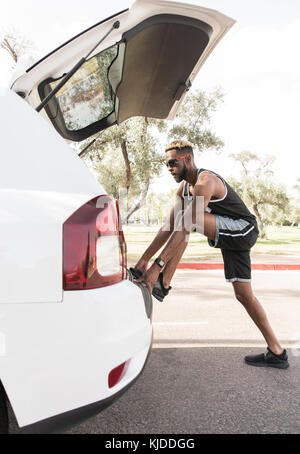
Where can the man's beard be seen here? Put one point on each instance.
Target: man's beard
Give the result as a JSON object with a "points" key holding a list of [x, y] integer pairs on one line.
{"points": [[181, 176]]}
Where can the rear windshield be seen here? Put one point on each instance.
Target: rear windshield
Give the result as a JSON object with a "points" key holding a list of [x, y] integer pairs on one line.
{"points": [[87, 97]]}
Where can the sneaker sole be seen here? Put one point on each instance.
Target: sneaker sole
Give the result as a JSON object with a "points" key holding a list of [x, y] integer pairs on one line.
{"points": [[158, 297], [277, 366], [157, 291]]}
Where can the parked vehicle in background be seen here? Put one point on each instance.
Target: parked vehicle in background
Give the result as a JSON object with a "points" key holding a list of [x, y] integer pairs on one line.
{"points": [[75, 331]]}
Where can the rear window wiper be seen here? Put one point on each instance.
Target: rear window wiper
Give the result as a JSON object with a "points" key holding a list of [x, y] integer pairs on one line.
{"points": [[73, 70]]}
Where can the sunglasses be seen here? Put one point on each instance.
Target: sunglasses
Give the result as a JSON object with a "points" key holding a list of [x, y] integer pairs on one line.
{"points": [[173, 162]]}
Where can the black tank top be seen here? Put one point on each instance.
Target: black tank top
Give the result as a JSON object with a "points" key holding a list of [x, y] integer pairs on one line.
{"points": [[231, 205]]}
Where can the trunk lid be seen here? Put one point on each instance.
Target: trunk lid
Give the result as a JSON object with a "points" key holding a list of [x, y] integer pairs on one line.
{"points": [[143, 68]]}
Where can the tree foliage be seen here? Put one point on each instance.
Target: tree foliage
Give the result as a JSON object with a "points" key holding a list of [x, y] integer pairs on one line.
{"points": [[256, 186], [127, 158], [15, 43], [294, 215], [159, 206], [193, 118]]}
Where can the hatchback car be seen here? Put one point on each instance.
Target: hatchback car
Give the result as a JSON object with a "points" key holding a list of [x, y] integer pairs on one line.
{"points": [[75, 330]]}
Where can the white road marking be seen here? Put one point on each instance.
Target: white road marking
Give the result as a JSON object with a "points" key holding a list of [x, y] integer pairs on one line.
{"points": [[200, 343]]}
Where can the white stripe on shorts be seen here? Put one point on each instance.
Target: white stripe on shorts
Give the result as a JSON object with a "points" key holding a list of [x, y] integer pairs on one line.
{"points": [[237, 234], [238, 279]]}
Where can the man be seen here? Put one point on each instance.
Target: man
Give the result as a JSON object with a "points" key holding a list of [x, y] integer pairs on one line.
{"points": [[227, 223]]}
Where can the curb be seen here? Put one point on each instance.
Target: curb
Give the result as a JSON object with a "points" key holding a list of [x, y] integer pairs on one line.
{"points": [[220, 266]]}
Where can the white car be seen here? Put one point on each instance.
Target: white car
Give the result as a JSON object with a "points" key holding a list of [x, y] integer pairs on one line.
{"points": [[75, 331]]}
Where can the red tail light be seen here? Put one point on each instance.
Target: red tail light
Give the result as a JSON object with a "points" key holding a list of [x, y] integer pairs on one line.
{"points": [[93, 246]]}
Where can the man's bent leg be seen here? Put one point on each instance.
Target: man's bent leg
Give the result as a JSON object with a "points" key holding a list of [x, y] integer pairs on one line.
{"points": [[244, 294], [210, 226], [171, 266]]}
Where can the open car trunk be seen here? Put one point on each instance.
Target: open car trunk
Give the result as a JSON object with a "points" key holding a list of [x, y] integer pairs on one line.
{"points": [[143, 69]]}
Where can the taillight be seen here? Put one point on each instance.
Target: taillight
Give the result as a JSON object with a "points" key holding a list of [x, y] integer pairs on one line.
{"points": [[93, 246]]}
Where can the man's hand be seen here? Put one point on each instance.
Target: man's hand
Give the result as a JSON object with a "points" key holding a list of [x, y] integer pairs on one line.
{"points": [[142, 265], [150, 277]]}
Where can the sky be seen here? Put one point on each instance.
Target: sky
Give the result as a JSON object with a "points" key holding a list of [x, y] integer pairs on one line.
{"points": [[256, 64]]}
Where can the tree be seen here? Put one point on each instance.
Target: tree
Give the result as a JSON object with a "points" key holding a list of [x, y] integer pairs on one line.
{"points": [[159, 206], [295, 206], [136, 140], [193, 118], [297, 187], [265, 197], [294, 216], [15, 43]]}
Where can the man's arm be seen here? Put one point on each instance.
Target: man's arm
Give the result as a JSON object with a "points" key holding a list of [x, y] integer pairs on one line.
{"points": [[206, 188], [164, 232]]}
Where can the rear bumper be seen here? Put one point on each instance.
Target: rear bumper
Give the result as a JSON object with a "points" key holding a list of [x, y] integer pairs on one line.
{"points": [[59, 356], [146, 294], [64, 421]]}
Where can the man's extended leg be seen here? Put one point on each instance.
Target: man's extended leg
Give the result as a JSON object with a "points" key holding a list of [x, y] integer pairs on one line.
{"points": [[244, 294], [171, 266]]}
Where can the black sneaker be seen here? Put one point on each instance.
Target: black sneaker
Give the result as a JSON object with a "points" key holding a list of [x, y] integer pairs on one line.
{"points": [[159, 291], [136, 273], [269, 359]]}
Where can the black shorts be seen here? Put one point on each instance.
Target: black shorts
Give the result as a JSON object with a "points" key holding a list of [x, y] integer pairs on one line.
{"points": [[235, 238]]}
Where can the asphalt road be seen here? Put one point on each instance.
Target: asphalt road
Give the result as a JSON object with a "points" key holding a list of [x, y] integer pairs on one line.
{"points": [[202, 310], [196, 381], [204, 391]]}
